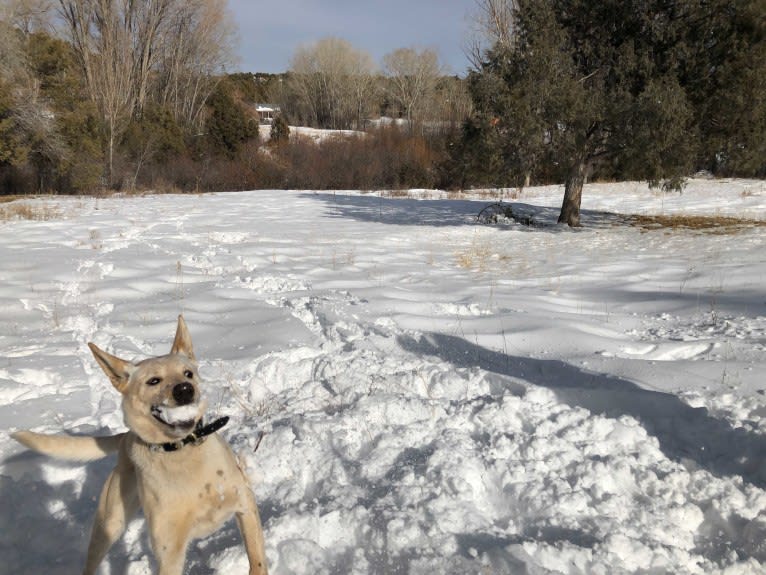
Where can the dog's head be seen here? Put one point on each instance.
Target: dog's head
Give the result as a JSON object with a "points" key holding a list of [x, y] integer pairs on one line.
{"points": [[161, 395]]}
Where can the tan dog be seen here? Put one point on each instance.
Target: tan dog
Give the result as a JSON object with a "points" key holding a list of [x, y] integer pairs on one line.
{"points": [[182, 473]]}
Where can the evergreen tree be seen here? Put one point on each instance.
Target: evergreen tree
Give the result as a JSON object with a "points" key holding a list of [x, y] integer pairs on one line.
{"points": [[155, 135], [69, 158], [154, 138], [587, 85], [228, 125], [725, 76], [280, 131], [13, 150]]}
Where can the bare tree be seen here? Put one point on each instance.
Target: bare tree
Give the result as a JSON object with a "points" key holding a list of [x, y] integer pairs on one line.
{"points": [[197, 45], [492, 24], [452, 103], [413, 76], [100, 32], [129, 49], [362, 86], [332, 83], [12, 60], [27, 15], [144, 21]]}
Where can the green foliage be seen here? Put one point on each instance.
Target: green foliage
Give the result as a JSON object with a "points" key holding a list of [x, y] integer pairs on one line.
{"points": [[589, 86], [639, 89], [726, 80], [13, 149], [71, 158], [280, 131], [737, 142], [474, 157], [228, 126], [663, 137], [254, 88], [154, 136], [152, 139], [53, 64]]}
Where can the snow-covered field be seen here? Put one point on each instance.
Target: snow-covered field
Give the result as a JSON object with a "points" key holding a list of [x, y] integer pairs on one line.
{"points": [[437, 396]]}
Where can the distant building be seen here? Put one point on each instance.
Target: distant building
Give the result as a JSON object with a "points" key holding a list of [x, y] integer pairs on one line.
{"points": [[267, 112]]}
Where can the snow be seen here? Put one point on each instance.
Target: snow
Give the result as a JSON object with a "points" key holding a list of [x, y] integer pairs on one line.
{"points": [[175, 415], [435, 395], [316, 135]]}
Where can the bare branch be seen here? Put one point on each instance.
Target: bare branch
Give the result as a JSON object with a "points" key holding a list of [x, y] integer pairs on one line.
{"points": [[492, 25], [414, 76]]}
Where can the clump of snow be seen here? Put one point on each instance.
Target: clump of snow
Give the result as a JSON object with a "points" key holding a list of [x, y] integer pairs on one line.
{"points": [[434, 395], [178, 414]]}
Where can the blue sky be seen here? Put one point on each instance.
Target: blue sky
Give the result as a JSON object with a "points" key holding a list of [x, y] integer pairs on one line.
{"points": [[271, 30]]}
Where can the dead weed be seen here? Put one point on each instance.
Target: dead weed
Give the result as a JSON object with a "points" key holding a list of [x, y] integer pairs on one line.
{"points": [[704, 224], [12, 210]]}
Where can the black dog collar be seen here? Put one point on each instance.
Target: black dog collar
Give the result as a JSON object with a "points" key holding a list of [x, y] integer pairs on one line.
{"points": [[195, 437]]}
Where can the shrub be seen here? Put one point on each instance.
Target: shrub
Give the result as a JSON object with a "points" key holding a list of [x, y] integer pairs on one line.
{"points": [[384, 159], [280, 131], [228, 126]]}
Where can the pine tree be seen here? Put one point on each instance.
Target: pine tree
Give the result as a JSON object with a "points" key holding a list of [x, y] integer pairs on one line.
{"points": [[13, 150], [69, 159], [587, 85], [228, 126], [280, 131], [725, 76]]}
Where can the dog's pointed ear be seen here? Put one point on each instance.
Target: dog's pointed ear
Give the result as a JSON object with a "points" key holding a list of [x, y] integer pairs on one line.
{"points": [[182, 343], [117, 370]]}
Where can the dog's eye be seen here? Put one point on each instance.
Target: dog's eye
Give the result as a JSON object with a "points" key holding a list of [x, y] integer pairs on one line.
{"points": [[188, 374], [153, 381]]}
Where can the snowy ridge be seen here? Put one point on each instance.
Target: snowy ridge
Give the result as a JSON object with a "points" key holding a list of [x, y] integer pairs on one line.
{"points": [[436, 396]]}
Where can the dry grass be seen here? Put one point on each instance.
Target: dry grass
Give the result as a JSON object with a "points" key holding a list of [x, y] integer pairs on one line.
{"points": [[159, 189], [475, 258], [13, 210], [704, 224], [480, 256], [499, 194]]}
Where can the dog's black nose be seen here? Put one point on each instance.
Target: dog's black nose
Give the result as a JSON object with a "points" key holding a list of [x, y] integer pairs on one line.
{"points": [[183, 393]]}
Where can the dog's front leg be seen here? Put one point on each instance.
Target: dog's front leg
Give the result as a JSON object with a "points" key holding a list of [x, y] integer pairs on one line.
{"points": [[169, 536], [118, 503], [249, 523], [171, 556]]}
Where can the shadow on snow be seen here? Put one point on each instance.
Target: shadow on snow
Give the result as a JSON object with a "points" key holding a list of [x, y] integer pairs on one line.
{"points": [[446, 212], [686, 434], [44, 527]]}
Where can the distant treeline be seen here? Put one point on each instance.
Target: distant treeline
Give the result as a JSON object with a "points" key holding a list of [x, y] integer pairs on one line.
{"points": [[561, 91], [130, 96]]}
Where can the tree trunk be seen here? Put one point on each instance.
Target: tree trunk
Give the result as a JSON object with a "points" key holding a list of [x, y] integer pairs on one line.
{"points": [[110, 158], [570, 208]]}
